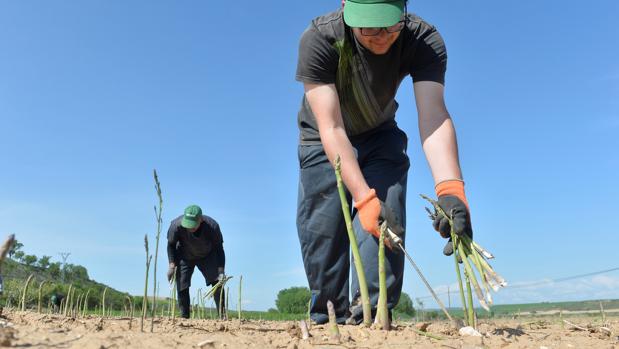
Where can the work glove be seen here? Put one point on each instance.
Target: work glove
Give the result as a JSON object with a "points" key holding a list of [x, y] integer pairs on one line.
{"points": [[171, 270], [452, 200], [373, 212]]}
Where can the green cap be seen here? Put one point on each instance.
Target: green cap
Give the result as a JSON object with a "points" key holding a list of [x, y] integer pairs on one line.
{"points": [[373, 13], [191, 217]]}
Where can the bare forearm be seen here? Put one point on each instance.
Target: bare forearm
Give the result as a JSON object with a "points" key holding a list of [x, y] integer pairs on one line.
{"points": [[441, 149], [324, 102], [437, 133]]}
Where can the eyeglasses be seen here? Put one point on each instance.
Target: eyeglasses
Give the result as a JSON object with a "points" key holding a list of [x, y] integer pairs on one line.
{"points": [[391, 29]]}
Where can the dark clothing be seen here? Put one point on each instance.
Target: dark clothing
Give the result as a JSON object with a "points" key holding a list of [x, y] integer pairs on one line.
{"points": [[184, 271], [366, 83], [322, 232], [191, 246], [208, 267], [203, 249]]}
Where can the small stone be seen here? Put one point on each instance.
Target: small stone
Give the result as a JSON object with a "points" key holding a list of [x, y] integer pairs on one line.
{"points": [[469, 331]]}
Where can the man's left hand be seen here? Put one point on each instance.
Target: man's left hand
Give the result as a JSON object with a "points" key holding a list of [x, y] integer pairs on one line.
{"points": [[452, 200]]}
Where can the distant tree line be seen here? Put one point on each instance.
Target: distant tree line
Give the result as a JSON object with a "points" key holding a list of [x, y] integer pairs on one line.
{"points": [[56, 270], [295, 300]]}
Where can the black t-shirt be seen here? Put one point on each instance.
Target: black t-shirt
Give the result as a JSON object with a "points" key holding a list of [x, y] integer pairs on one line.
{"points": [[191, 246], [366, 83]]}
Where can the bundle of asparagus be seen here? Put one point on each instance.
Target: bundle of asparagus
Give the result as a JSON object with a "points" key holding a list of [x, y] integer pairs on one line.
{"points": [[472, 256]]}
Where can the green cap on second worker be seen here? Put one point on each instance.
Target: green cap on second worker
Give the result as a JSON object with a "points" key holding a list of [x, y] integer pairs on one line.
{"points": [[191, 217], [373, 13]]}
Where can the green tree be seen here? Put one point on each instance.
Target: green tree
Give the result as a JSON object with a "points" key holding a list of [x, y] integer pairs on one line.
{"points": [[17, 246], [72, 272], [19, 255], [54, 270], [293, 300], [30, 259], [405, 305], [44, 262]]}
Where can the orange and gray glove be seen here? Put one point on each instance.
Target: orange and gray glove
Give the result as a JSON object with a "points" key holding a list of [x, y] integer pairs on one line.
{"points": [[452, 200], [373, 212]]}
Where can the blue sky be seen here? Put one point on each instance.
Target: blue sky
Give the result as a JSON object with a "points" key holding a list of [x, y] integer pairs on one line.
{"points": [[94, 95]]}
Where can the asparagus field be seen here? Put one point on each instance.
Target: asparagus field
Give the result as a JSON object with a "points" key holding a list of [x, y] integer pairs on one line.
{"points": [[34, 330]]}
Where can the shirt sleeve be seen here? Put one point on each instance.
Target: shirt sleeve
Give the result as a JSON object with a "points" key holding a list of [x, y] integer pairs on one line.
{"points": [[318, 59], [172, 240], [429, 62], [219, 247]]}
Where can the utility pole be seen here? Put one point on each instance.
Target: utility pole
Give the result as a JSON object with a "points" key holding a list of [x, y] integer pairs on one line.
{"points": [[448, 298], [64, 256]]}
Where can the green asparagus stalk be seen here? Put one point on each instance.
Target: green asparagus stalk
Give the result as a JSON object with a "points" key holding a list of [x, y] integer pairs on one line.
{"points": [[130, 301], [25, 291], [103, 302], [470, 306], [363, 286], [85, 306], [382, 313], [240, 304], [67, 303], [145, 297], [39, 298], [333, 329], [159, 221]]}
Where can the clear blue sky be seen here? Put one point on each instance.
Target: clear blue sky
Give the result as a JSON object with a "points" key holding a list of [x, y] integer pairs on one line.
{"points": [[94, 95]]}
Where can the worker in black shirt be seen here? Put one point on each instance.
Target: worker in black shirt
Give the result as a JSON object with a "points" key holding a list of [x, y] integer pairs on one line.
{"points": [[195, 240]]}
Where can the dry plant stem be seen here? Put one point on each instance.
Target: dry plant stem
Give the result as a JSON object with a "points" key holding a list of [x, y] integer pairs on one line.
{"points": [[159, 221], [25, 291], [144, 298], [239, 304], [333, 329], [40, 294], [382, 313], [603, 313], [429, 335], [363, 286]]}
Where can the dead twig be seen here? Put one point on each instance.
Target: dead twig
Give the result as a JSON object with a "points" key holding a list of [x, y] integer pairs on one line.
{"points": [[576, 327]]}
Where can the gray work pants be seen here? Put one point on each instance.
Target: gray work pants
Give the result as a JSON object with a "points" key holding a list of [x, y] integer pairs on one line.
{"points": [[322, 232]]}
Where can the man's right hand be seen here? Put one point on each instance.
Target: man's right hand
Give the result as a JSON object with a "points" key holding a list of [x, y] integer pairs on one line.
{"points": [[171, 270], [373, 212]]}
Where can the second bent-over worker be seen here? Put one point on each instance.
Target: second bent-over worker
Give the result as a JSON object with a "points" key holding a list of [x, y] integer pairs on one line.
{"points": [[195, 240]]}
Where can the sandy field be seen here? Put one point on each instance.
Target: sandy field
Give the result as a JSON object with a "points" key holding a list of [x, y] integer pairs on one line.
{"points": [[32, 330]]}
